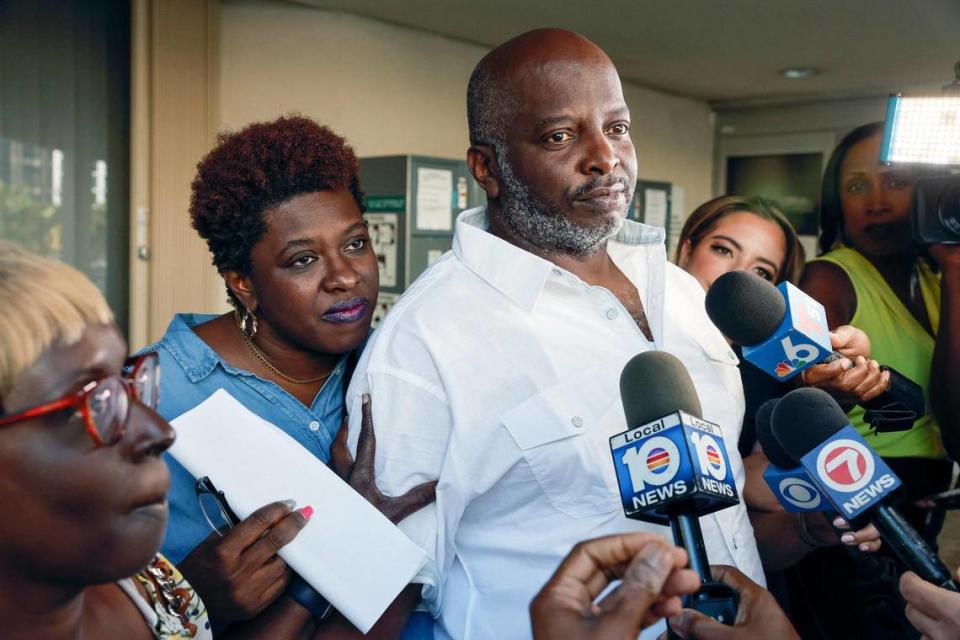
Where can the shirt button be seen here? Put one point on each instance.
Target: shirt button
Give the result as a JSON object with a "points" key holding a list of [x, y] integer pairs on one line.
{"points": [[577, 421], [314, 425], [557, 272], [736, 542], [612, 314]]}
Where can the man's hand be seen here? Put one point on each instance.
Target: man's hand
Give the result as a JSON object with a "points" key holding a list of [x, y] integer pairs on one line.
{"points": [[934, 611], [652, 582], [360, 476], [758, 616], [239, 575]]}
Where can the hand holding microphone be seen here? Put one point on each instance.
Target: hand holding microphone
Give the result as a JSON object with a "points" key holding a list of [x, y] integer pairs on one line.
{"points": [[813, 431], [932, 610], [652, 579], [783, 331], [854, 378], [795, 492], [758, 616], [672, 466]]}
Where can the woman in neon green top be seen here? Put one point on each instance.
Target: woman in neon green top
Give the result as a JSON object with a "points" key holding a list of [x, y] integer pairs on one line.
{"points": [[873, 277]]}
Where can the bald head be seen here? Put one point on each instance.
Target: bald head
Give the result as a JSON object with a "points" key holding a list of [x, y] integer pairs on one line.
{"points": [[492, 93]]}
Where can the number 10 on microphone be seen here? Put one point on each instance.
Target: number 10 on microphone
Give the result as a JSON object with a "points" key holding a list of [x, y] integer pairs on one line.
{"points": [[677, 463]]}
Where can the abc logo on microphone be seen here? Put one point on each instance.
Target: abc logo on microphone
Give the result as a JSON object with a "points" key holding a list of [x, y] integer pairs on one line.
{"points": [[676, 460], [853, 477]]}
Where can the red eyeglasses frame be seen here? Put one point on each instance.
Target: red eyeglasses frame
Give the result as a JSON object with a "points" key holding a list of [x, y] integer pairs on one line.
{"points": [[78, 400]]}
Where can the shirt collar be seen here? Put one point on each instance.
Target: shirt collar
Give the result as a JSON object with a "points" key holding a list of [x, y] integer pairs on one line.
{"points": [[519, 274], [195, 356]]}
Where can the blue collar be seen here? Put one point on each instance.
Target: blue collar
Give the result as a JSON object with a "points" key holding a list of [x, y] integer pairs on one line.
{"points": [[195, 356]]}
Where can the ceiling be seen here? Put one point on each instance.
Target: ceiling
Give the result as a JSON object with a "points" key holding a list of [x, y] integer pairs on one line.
{"points": [[729, 52]]}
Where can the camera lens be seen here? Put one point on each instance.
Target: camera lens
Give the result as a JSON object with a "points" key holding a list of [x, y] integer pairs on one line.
{"points": [[948, 208]]}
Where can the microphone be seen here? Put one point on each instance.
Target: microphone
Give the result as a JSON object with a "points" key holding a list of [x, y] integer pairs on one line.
{"points": [[783, 331], [788, 482], [672, 466], [813, 430]]}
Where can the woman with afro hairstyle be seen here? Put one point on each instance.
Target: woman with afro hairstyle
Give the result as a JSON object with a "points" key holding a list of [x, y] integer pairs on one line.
{"points": [[280, 206]]}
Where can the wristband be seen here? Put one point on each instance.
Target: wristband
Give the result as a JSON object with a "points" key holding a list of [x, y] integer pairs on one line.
{"points": [[308, 598]]}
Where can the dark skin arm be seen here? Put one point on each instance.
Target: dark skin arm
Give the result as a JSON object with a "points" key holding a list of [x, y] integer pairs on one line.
{"points": [[829, 285], [945, 370]]}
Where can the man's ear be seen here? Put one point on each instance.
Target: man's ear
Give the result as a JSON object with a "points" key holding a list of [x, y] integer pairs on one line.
{"points": [[482, 162], [242, 289]]}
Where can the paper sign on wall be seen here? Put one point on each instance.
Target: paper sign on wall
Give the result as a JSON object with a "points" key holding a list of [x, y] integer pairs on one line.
{"points": [[434, 199]]}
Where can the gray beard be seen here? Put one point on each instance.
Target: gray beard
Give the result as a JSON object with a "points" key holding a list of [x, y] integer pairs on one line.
{"points": [[533, 220]]}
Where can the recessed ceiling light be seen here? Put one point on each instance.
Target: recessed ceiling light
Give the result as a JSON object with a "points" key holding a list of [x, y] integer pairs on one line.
{"points": [[795, 73]]}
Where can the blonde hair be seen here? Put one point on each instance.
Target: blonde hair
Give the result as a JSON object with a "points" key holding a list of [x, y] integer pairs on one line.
{"points": [[43, 303]]}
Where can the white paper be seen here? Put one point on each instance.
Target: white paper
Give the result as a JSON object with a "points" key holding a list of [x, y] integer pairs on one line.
{"points": [[348, 551], [655, 207], [434, 199]]}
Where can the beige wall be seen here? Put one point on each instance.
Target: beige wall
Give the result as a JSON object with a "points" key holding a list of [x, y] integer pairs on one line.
{"points": [[174, 120], [393, 90]]}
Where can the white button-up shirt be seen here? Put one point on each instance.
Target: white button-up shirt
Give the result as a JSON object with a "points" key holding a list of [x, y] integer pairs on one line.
{"points": [[497, 373]]}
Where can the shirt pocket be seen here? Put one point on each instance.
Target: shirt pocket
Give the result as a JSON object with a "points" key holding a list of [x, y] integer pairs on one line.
{"points": [[563, 434], [713, 367]]}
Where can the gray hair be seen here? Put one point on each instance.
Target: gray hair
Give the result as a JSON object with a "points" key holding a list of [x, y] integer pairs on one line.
{"points": [[488, 104]]}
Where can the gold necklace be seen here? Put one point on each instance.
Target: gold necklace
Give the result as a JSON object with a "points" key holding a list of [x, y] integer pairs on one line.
{"points": [[259, 356]]}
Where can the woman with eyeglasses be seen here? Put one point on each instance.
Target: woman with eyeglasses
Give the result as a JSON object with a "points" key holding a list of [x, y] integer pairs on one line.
{"points": [[83, 486], [280, 207]]}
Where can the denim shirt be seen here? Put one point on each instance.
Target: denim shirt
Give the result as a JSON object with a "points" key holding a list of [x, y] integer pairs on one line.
{"points": [[191, 372]]}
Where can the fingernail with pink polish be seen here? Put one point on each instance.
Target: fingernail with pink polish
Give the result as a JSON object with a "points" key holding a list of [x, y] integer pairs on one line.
{"points": [[306, 512]]}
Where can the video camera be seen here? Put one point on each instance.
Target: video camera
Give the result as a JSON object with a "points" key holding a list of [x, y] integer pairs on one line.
{"points": [[924, 132]]}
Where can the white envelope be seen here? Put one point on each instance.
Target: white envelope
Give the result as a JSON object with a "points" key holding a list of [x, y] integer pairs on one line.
{"points": [[348, 551]]}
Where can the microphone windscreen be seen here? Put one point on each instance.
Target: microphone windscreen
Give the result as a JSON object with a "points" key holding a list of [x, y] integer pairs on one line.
{"points": [[771, 447], [655, 384], [804, 418], [745, 307]]}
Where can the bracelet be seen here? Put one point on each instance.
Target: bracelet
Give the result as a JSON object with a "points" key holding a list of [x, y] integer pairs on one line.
{"points": [[803, 532], [307, 597]]}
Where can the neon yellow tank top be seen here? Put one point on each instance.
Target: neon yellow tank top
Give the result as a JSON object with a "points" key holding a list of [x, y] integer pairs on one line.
{"points": [[898, 341]]}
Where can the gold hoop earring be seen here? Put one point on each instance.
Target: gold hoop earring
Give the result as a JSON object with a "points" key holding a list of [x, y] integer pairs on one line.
{"points": [[247, 322]]}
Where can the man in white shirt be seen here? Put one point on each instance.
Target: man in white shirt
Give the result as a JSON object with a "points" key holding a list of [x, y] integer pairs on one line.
{"points": [[497, 371]]}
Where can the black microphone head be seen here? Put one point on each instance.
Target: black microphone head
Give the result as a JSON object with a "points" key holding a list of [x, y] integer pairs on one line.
{"points": [[803, 419], [745, 307], [655, 384], [771, 447]]}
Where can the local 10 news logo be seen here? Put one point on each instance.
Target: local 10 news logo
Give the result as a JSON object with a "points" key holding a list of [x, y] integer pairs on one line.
{"points": [[679, 458], [849, 473], [801, 340]]}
